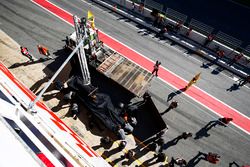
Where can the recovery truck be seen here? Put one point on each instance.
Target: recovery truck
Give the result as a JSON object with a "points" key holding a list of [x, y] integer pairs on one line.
{"points": [[113, 65]]}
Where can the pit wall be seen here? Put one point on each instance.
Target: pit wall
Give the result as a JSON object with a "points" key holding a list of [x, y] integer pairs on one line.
{"points": [[194, 41]]}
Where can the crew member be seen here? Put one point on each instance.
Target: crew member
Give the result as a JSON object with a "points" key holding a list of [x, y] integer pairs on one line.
{"points": [[194, 80], [235, 59], [173, 105], [213, 158], [156, 68], [185, 135], [189, 31], [220, 54], [177, 161], [226, 120], [26, 53], [209, 39], [43, 50]]}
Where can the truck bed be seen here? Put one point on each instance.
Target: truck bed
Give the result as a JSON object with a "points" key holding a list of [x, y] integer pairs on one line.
{"points": [[126, 73]]}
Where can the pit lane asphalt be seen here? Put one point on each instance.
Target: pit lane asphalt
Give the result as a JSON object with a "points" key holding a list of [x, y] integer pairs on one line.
{"points": [[30, 25]]}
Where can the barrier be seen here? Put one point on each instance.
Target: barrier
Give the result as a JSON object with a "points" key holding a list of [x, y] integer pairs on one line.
{"points": [[228, 40], [201, 27], [153, 5], [176, 15]]}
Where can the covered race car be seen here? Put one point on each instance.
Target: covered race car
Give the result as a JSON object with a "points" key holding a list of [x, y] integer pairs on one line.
{"points": [[101, 106]]}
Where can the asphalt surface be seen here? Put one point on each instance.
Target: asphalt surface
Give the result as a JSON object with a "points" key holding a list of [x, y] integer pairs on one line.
{"points": [[30, 25]]}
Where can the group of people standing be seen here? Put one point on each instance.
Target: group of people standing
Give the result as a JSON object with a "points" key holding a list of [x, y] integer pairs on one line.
{"points": [[194, 79], [41, 49]]}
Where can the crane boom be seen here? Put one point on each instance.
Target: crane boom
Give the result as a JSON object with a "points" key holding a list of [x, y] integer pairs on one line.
{"points": [[82, 34]]}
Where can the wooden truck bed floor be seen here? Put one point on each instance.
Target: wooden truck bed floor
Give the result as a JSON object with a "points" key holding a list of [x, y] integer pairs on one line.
{"points": [[126, 73]]}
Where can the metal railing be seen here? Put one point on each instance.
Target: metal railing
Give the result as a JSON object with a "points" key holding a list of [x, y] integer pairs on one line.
{"points": [[228, 40], [246, 51], [179, 17], [151, 4], [201, 27]]}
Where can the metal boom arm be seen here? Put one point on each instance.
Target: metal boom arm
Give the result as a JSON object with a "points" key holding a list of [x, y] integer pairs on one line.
{"points": [[81, 34], [31, 105]]}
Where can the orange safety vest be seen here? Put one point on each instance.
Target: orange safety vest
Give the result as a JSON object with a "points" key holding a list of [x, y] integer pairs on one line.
{"points": [[43, 50]]}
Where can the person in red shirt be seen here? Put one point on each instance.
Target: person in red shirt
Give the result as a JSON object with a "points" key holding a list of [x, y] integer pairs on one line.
{"points": [[209, 39], [26, 53], [213, 158], [156, 68], [226, 120], [220, 53], [235, 59]]}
